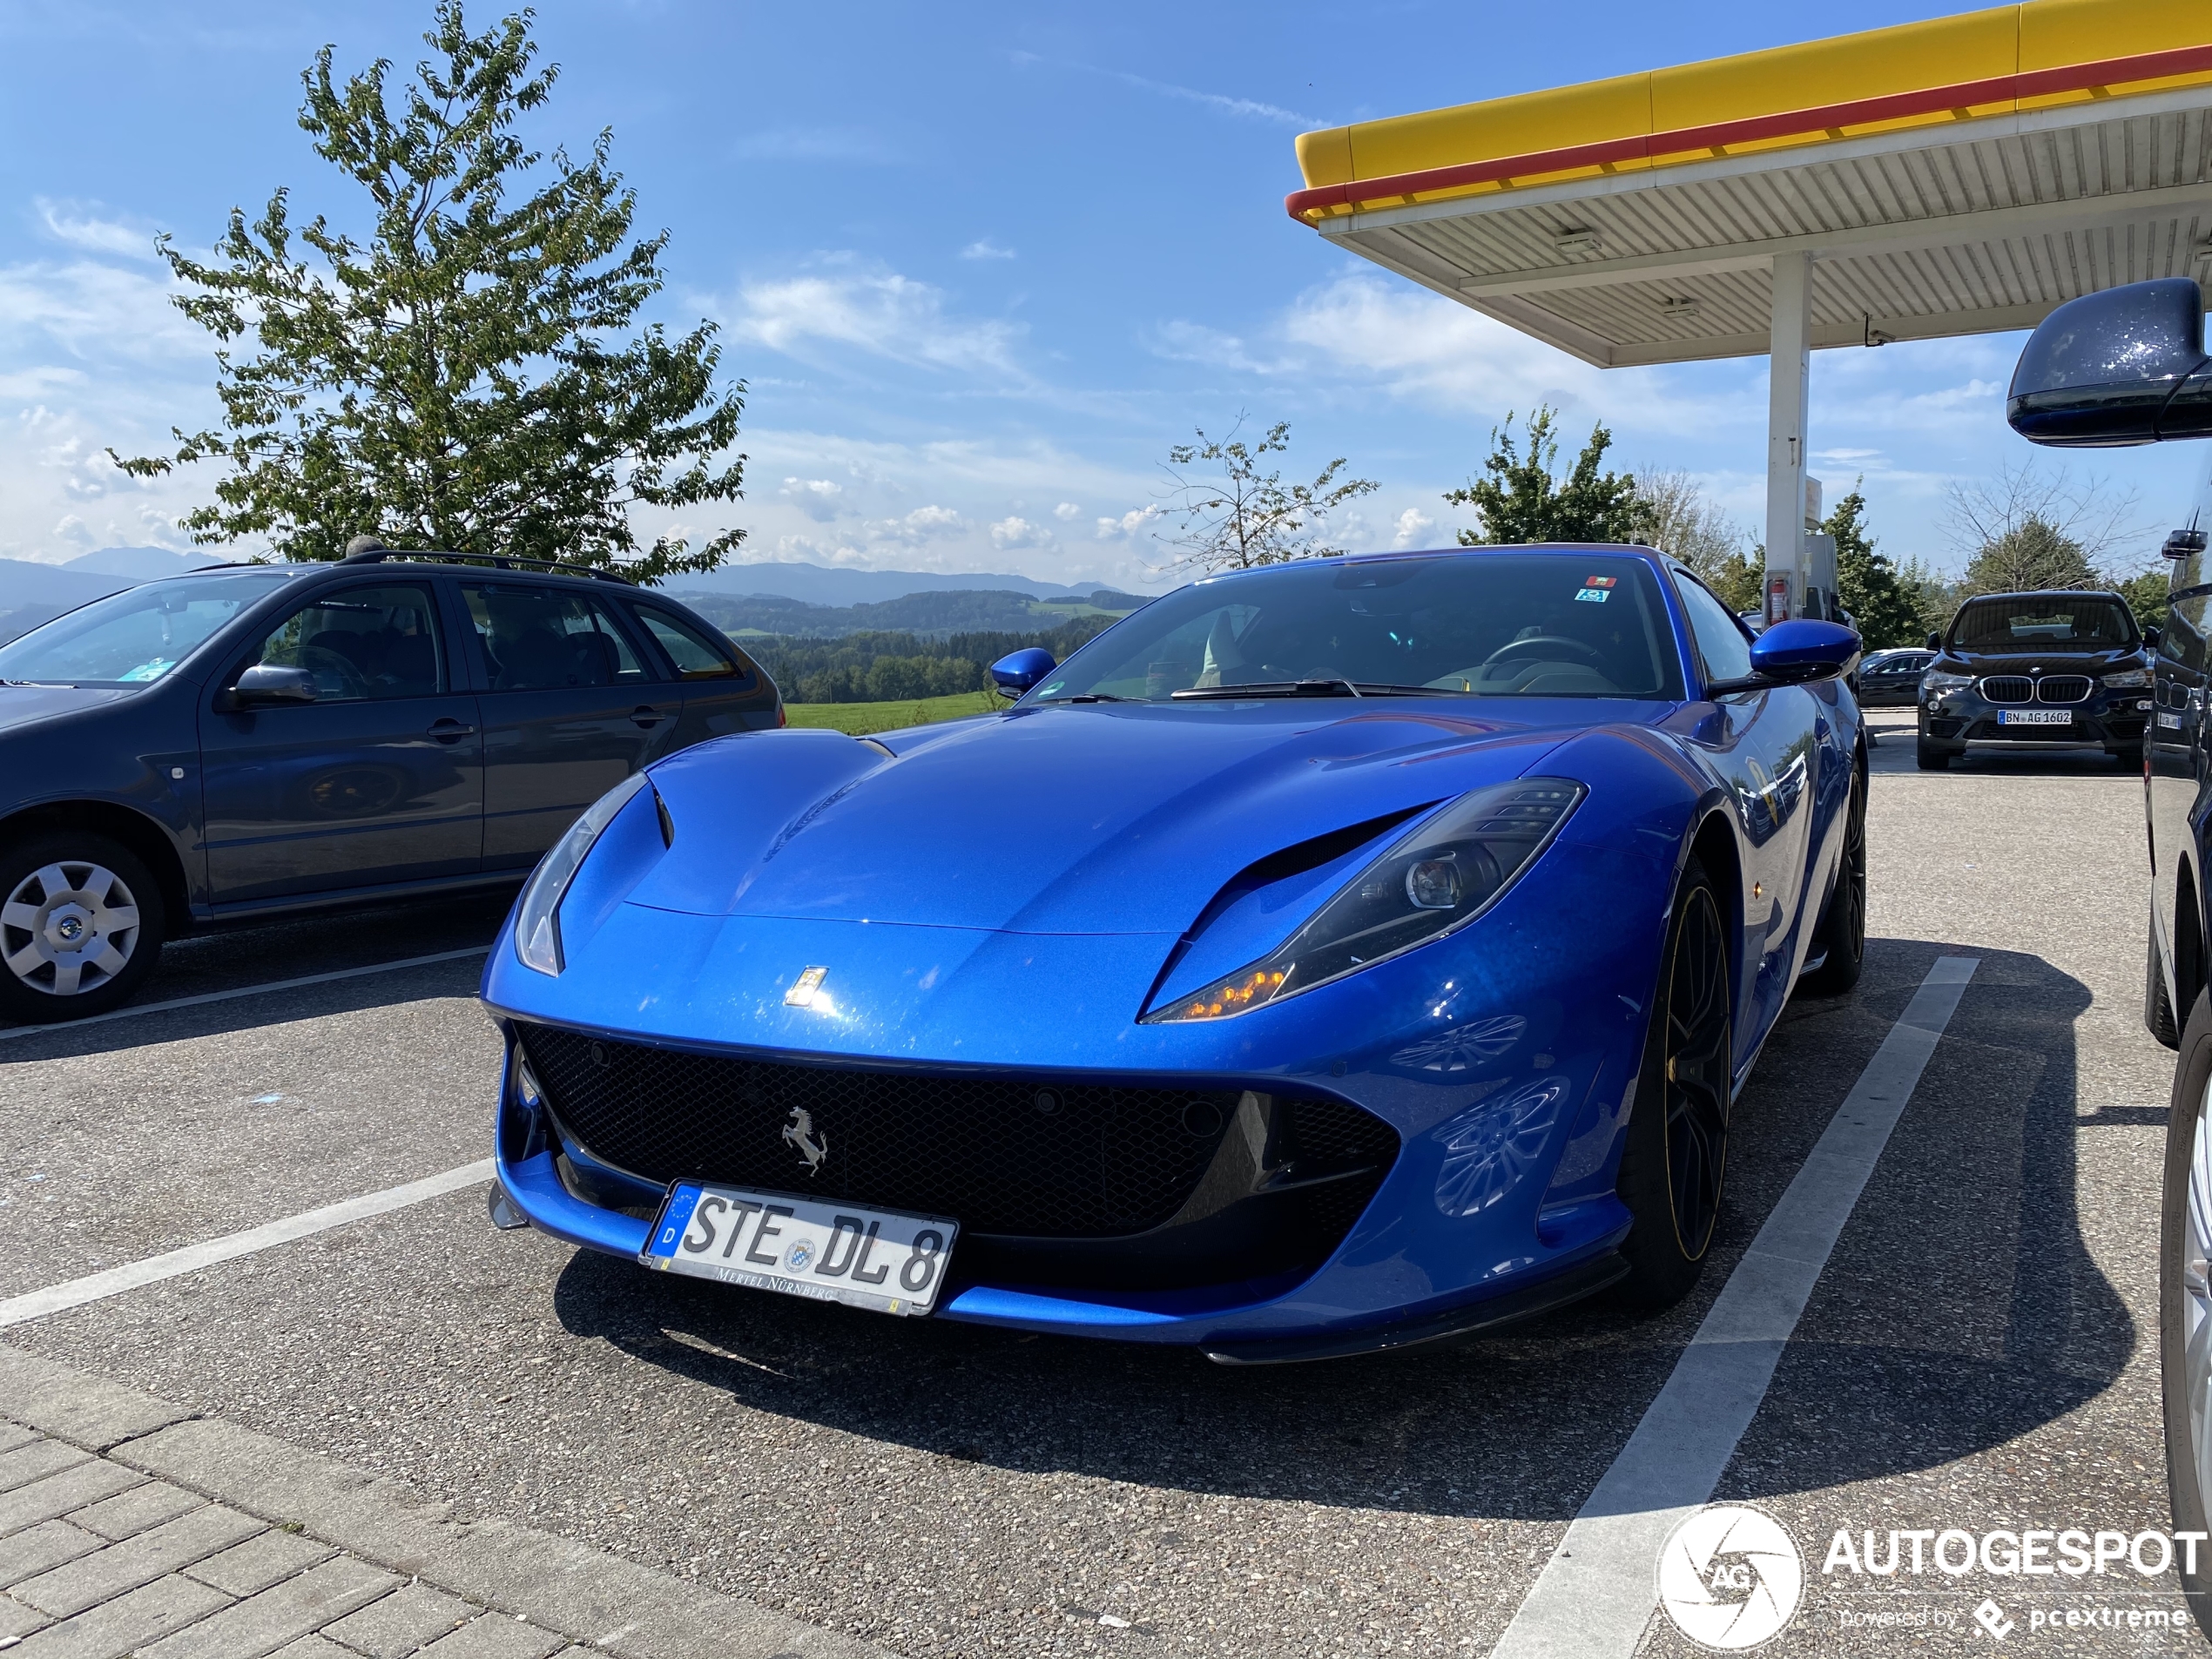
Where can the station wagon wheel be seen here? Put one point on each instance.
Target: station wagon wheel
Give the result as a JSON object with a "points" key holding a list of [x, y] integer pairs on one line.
{"points": [[1676, 1160], [81, 923]]}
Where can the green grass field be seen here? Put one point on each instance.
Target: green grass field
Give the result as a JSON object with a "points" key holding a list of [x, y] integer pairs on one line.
{"points": [[858, 719]]}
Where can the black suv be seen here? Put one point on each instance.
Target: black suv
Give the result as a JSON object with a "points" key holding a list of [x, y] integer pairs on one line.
{"points": [[252, 740], [2038, 671]]}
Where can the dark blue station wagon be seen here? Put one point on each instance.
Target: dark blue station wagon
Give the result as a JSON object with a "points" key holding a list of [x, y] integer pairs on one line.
{"points": [[249, 740]]}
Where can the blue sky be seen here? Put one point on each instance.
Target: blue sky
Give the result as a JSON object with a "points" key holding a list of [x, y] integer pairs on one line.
{"points": [[981, 263]]}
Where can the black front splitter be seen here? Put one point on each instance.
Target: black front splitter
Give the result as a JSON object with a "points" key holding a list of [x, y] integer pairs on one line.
{"points": [[1585, 1278]]}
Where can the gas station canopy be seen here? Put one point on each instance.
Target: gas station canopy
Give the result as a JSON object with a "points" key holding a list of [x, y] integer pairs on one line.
{"points": [[1960, 176]]}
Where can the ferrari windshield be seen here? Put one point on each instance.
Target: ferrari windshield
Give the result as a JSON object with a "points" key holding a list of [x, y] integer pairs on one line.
{"points": [[1488, 625], [135, 636], [2044, 622]]}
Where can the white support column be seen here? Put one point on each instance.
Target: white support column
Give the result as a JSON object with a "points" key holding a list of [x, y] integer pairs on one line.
{"points": [[1787, 407]]}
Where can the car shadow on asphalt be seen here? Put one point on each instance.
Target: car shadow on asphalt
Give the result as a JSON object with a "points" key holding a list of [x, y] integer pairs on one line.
{"points": [[295, 948], [148, 1027], [1910, 1354]]}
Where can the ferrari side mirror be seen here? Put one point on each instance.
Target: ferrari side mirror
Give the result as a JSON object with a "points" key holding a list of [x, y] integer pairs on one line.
{"points": [[1791, 652], [2122, 366], [1015, 673]]}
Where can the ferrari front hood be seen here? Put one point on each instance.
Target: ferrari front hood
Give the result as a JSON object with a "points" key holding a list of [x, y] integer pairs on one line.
{"points": [[1093, 820]]}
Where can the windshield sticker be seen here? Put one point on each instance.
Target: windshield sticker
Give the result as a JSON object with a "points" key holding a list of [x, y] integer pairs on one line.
{"points": [[1596, 596], [1599, 580], [152, 671]]}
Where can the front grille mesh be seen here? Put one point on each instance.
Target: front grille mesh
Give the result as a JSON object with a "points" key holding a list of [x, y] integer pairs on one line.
{"points": [[981, 1148], [2019, 688]]}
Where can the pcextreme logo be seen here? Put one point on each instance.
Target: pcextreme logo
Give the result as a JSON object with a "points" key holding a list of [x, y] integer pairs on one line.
{"points": [[1731, 1577]]}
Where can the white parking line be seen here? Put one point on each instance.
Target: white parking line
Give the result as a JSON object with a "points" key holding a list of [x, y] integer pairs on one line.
{"points": [[132, 1276], [1595, 1595], [244, 990]]}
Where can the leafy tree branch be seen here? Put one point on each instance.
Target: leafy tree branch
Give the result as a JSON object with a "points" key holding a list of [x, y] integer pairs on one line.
{"points": [[470, 375]]}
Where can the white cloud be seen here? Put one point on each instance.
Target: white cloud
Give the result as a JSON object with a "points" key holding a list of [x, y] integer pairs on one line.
{"points": [[986, 249], [885, 314], [1221, 103], [923, 524], [1412, 525], [1128, 524], [816, 497], [1066, 510], [77, 224], [1190, 342], [1019, 532], [92, 311]]}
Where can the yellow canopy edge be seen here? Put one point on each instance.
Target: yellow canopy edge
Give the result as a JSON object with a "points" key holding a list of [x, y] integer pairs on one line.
{"points": [[1909, 58]]}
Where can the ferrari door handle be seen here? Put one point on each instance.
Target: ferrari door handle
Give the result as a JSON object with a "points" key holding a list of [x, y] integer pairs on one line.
{"points": [[449, 730], [645, 715]]}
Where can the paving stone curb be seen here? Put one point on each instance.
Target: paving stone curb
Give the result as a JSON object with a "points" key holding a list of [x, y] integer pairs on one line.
{"points": [[591, 1596]]}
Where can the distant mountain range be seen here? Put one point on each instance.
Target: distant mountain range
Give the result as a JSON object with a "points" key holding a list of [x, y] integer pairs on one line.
{"points": [[809, 600], [836, 585], [925, 614]]}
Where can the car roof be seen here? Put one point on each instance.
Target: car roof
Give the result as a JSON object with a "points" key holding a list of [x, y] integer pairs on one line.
{"points": [[300, 569], [2049, 593], [1487, 549]]}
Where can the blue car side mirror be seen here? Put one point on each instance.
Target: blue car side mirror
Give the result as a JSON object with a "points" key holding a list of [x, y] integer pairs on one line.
{"points": [[2122, 366], [1015, 673], [1790, 652]]}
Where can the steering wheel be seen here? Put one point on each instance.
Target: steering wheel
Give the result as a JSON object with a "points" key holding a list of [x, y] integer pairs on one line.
{"points": [[1513, 648], [322, 662]]}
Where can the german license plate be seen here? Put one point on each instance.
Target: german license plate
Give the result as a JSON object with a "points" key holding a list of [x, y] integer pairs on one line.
{"points": [[2035, 717], [884, 1260]]}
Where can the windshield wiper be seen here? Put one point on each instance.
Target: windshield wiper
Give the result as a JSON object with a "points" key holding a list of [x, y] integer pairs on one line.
{"points": [[1268, 688], [1088, 697]]}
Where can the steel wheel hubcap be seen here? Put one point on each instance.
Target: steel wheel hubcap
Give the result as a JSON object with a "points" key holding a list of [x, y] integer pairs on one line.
{"points": [[2196, 1300], [1698, 1075], [69, 928]]}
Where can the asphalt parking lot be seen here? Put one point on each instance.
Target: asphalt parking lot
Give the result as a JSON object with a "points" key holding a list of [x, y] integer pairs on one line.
{"points": [[1980, 1352]]}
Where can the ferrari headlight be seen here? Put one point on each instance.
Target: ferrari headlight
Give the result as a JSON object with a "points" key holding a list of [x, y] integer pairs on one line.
{"points": [[2128, 677], [1437, 877], [537, 918]]}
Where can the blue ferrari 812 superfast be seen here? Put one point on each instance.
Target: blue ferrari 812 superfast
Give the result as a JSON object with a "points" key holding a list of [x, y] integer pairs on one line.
{"points": [[1327, 957]]}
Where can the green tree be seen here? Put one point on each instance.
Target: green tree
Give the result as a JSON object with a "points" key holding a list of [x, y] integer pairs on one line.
{"points": [[468, 377], [2033, 554], [1520, 498], [1738, 580], [1679, 519], [2145, 596], [1244, 517], [1933, 596], [1866, 582]]}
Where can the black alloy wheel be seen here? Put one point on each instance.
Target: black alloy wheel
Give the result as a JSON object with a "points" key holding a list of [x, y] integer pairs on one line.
{"points": [[1676, 1158], [2158, 1008], [1841, 940]]}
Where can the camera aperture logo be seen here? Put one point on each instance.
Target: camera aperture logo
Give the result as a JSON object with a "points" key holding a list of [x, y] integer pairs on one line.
{"points": [[1731, 1577]]}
